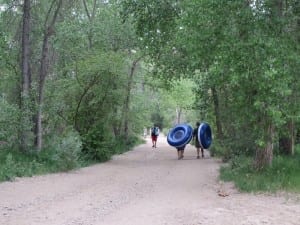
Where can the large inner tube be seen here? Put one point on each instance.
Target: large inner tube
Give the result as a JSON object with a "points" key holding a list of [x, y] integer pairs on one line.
{"points": [[180, 135], [204, 135]]}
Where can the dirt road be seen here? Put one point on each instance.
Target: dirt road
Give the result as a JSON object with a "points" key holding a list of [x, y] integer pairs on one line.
{"points": [[141, 187]]}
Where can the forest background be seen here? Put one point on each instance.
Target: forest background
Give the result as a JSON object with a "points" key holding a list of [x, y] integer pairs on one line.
{"points": [[81, 79]]}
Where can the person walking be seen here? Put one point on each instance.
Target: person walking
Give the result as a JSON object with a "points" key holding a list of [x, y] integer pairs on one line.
{"points": [[197, 142], [154, 135]]}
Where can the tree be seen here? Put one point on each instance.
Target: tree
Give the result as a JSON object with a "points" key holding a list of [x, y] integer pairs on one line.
{"points": [[50, 21], [179, 98], [98, 68], [130, 80], [26, 77]]}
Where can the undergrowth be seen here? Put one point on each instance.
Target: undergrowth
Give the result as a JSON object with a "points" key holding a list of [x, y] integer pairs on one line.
{"points": [[62, 156], [283, 174]]}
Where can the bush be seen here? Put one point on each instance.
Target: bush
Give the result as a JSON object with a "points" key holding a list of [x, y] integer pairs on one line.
{"points": [[283, 174], [218, 149], [232, 147], [65, 151], [63, 154], [123, 144], [8, 168], [16, 164], [9, 123], [99, 145]]}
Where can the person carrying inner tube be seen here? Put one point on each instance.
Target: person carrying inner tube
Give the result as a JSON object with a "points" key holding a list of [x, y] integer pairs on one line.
{"points": [[197, 142]]}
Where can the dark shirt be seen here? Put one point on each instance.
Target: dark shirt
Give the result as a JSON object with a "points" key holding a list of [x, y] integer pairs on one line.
{"points": [[154, 131], [195, 133], [195, 136]]}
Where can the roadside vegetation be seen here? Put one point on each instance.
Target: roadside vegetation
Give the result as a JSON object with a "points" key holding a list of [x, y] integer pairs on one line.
{"points": [[282, 175], [64, 155]]}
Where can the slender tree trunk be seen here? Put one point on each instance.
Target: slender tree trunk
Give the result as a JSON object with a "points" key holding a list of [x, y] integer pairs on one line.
{"points": [[26, 49], [49, 31], [86, 89], [217, 113], [26, 79], [287, 141], [42, 76], [91, 17], [178, 115], [128, 95], [264, 156]]}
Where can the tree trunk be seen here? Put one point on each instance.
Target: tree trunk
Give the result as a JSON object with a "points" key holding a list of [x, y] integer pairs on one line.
{"points": [[292, 133], [128, 95], [26, 79], [178, 115], [287, 140], [26, 76], [217, 113], [264, 156], [91, 17], [49, 31], [42, 76], [287, 143]]}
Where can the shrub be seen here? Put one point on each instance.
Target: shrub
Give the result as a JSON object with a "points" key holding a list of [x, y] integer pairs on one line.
{"points": [[98, 144], [17, 164], [62, 154], [218, 149], [283, 174], [9, 123], [66, 151]]}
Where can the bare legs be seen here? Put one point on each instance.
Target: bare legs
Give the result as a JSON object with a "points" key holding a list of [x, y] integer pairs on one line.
{"points": [[180, 154], [154, 140], [153, 144], [198, 152]]}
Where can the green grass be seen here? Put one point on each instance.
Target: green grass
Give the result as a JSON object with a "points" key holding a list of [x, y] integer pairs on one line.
{"points": [[284, 174], [18, 164]]}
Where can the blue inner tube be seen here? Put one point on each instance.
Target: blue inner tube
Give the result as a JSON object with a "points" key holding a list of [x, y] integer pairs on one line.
{"points": [[204, 135], [180, 135]]}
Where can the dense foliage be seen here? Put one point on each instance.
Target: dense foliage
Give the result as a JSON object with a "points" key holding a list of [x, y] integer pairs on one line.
{"points": [[282, 175]]}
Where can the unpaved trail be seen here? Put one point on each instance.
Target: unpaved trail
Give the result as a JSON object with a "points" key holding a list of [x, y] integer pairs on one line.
{"points": [[141, 187]]}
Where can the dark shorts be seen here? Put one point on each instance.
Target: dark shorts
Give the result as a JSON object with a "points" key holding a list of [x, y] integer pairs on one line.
{"points": [[154, 138], [197, 144], [180, 148]]}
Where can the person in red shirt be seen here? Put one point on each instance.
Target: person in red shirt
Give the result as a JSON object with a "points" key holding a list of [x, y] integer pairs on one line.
{"points": [[154, 135]]}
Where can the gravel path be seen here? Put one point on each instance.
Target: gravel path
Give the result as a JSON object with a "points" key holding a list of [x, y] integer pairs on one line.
{"points": [[142, 187]]}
